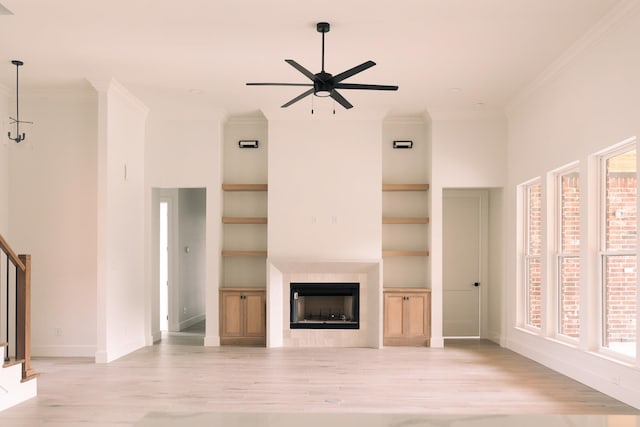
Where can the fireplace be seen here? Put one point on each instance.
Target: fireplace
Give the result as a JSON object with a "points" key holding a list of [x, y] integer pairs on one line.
{"points": [[325, 305]]}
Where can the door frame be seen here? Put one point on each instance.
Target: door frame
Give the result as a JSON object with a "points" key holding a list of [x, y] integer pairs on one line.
{"points": [[483, 295], [171, 197]]}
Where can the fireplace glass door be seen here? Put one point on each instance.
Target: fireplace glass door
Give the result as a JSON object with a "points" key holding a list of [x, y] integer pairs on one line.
{"points": [[325, 305]]}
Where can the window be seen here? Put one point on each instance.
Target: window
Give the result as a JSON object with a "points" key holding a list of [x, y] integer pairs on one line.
{"points": [[568, 246], [533, 254], [618, 251]]}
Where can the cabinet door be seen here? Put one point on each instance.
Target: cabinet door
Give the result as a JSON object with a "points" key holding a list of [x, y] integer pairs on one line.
{"points": [[393, 315], [232, 315], [254, 315], [415, 315]]}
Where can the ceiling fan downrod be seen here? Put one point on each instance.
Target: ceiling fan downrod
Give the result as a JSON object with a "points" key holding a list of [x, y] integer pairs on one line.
{"points": [[323, 27]]}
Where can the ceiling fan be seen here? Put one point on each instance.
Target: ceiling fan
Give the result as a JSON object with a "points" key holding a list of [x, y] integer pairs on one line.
{"points": [[324, 84]]}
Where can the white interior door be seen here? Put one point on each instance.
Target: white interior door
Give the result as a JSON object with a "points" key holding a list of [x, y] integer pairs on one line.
{"points": [[462, 257]]}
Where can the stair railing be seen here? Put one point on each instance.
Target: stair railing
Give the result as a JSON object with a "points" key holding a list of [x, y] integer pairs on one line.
{"points": [[17, 291]]}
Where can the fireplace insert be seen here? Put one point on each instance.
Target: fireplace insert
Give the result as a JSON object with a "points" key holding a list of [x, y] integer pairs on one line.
{"points": [[325, 305]]}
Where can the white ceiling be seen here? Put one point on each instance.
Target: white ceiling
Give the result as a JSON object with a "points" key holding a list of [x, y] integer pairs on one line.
{"points": [[204, 51]]}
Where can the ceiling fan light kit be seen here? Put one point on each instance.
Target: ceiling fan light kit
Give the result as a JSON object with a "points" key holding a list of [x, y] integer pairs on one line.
{"points": [[324, 84]]}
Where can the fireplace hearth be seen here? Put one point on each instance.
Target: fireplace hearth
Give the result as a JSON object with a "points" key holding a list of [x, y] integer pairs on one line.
{"points": [[325, 305]]}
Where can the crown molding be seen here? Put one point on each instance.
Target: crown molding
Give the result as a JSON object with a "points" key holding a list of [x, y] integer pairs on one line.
{"points": [[256, 118], [112, 85], [610, 21]]}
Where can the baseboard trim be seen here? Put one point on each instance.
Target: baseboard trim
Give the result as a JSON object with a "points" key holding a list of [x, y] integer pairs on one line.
{"points": [[212, 341], [63, 351], [191, 321], [609, 377]]}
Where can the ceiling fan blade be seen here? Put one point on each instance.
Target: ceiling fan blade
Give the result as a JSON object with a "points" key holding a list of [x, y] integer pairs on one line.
{"points": [[279, 84], [364, 86], [355, 70], [298, 98], [300, 68], [341, 100]]}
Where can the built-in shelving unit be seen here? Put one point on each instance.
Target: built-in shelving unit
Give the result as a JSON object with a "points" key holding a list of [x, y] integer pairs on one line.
{"points": [[405, 204], [245, 187], [405, 187], [243, 232], [405, 220], [244, 253], [389, 254], [244, 220], [405, 233]]}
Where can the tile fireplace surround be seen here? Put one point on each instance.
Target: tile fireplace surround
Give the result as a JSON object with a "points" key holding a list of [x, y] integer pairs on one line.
{"points": [[282, 271]]}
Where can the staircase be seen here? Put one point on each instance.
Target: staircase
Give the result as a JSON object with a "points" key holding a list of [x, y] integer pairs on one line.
{"points": [[18, 380], [13, 389]]}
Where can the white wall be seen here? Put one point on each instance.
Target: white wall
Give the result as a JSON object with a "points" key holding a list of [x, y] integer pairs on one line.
{"points": [[192, 255], [52, 214], [122, 294], [495, 328], [186, 153], [468, 151], [325, 181], [585, 106], [4, 163]]}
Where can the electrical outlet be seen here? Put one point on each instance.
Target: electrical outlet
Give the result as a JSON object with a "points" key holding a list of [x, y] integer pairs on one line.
{"points": [[58, 332], [184, 310]]}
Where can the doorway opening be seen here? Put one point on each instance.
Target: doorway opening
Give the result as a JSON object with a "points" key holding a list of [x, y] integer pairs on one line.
{"points": [[179, 253], [472, 232], [164, 265]]}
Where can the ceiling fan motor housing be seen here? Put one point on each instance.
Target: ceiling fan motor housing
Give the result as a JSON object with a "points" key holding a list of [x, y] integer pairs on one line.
{"points": [[323, 84]]}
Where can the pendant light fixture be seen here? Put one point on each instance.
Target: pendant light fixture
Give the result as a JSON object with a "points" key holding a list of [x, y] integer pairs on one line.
{"points": [[19, 136]]}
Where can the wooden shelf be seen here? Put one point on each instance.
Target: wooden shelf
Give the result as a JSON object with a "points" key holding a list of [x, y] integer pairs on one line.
{"points": [[243, 220], [245, 187], [405, 220], [244, 254], [405, 187], [389, 254]]}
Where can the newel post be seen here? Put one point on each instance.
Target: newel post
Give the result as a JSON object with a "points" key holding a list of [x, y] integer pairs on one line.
{"points": [[23, 317]]}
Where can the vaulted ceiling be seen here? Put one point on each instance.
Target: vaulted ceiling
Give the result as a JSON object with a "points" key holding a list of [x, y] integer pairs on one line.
{"points": [[443, 54]]}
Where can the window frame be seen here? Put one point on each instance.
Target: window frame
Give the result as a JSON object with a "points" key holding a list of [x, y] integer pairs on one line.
{"points": [[604, 252], [560, 254], [526, 256]]}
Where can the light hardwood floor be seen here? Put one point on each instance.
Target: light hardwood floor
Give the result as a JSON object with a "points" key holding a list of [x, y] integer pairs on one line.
{"points": [[177, 377]]}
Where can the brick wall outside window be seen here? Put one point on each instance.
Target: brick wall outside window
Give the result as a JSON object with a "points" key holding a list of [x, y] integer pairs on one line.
{"points": [[533, 256], [620, 286], [569, 261]]}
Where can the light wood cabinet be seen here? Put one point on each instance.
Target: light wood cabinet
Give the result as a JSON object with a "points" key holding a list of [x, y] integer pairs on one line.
{"points": [[407, 317], [242, 316]]}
